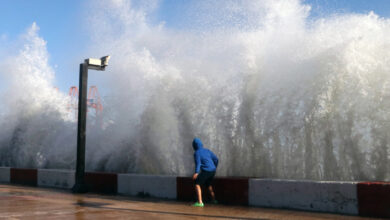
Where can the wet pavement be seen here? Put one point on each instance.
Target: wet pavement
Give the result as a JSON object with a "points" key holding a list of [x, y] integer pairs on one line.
{"points": [[21, 202]]}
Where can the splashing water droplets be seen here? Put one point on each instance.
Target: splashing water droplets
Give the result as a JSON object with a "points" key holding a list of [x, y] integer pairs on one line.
{"points": [[273, 92]]}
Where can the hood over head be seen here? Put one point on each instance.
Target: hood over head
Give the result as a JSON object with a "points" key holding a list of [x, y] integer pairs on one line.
{"points": [[197, 144]]}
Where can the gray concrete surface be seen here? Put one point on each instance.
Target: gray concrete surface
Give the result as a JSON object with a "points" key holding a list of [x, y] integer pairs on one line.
{"points": [[323, 196], [56, 178], [5, 176], [152, 185]]}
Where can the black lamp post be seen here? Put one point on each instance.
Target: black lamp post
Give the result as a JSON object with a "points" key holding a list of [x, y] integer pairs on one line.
{"points": [[96, 64]]}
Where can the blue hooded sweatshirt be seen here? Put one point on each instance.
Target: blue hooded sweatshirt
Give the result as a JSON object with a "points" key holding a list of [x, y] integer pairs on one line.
{"points": [[204, 158]]}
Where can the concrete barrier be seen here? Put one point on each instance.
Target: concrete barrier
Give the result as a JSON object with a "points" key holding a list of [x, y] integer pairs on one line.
{"points": [[233, 191], [370, 199], [147, 185], [56, 178], [374, 199], [322, 196], [5, 176], [24, 176], [101, 182]]}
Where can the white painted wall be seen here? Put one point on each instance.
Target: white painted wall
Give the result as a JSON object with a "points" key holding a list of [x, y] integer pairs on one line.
{"points": [[152, 185], [323, 196], [56, 178], [5, 175]]}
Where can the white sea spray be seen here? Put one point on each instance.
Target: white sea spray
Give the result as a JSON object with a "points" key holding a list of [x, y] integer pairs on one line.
{"points": [[273, 92]]}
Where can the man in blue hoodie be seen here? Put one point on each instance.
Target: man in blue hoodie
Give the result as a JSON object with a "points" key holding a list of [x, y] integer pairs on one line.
{"points": [[205, 166]]}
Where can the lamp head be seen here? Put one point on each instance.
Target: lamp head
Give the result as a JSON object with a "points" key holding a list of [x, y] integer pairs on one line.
{"points": [[97, 64], [105, 60]]}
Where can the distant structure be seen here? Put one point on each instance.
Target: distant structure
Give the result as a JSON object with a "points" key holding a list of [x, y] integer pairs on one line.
{"points": [[93, 102], [74, 100]]}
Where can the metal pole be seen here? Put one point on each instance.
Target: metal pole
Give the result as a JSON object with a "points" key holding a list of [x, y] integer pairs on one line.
{"points": [[80, 186]]}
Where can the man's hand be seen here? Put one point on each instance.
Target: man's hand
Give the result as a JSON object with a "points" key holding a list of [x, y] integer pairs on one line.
{"points": [[195, 176]]}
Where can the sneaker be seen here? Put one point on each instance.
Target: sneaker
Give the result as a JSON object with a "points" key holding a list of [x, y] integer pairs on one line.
{"points": [[214, 201], [197, 204]]}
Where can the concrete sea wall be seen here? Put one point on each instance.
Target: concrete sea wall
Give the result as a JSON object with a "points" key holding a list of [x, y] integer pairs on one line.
{"points": [[351, 198]]}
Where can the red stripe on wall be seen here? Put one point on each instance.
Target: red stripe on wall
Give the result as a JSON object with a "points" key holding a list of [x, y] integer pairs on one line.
{"points": [[185, 189], [227, 190], [374, 199], [232, 191], [102, 182], [24, 176]]}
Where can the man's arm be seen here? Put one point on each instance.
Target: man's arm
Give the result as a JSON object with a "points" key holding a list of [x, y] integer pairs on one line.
{"points": [[197, 162]]}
